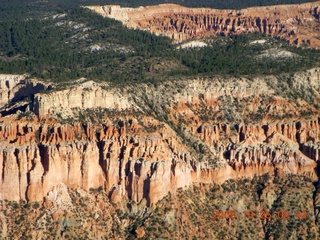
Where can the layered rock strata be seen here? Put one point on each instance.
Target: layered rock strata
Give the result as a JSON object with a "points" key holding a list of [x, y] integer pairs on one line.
{"points": [[141, 143], [129, 163], [298, 24]]}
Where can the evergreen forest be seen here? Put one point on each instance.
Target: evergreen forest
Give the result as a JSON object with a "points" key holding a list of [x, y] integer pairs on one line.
{"points": [[59, 41]]}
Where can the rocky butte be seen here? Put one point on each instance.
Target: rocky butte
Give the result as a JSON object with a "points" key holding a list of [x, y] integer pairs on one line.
{"points": [[298, 24]]}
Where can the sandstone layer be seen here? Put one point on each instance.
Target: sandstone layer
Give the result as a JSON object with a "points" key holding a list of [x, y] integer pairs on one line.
{"points": [[298, 24], [141, 142]]}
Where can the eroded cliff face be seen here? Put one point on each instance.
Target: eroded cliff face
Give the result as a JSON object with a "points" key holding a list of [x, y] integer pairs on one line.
{"points": [[199, 211], [140, 143], [298, 24], [129, 165]]}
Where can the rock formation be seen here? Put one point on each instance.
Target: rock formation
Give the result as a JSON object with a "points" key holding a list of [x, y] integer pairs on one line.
{"points": [[298, 24], [139, 143]]}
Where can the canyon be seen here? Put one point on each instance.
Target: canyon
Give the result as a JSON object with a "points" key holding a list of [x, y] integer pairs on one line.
{"points": [[141, 143], [101, 156], [143, 139], [298, 24]]}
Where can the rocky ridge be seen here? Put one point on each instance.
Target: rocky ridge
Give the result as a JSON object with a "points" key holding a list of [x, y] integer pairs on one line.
{"points": [[139, 143], [298, 24]]}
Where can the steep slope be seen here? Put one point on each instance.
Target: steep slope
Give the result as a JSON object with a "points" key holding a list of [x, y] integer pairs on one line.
{"points": [[259, 208], [298, 24], [143, 141]]}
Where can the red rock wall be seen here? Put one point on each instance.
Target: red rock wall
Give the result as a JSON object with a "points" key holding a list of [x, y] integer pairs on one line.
{"points": [[136, 165], [299, 24]]}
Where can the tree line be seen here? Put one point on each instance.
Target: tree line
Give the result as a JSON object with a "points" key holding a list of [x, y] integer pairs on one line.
{"points": [[53, 42]]}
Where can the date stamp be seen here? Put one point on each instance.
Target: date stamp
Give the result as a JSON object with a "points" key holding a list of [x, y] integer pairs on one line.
{"points": [[262, 215]]}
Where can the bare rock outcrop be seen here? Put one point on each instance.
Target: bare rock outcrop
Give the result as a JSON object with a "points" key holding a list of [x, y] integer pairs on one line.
{"points": [[141, 143], [17, 87], [84, 96], [298, 24], [133, 165], [7, 85]]}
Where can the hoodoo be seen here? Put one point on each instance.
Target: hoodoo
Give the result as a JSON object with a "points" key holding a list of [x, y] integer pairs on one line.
{"points": [[298, 24]]}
